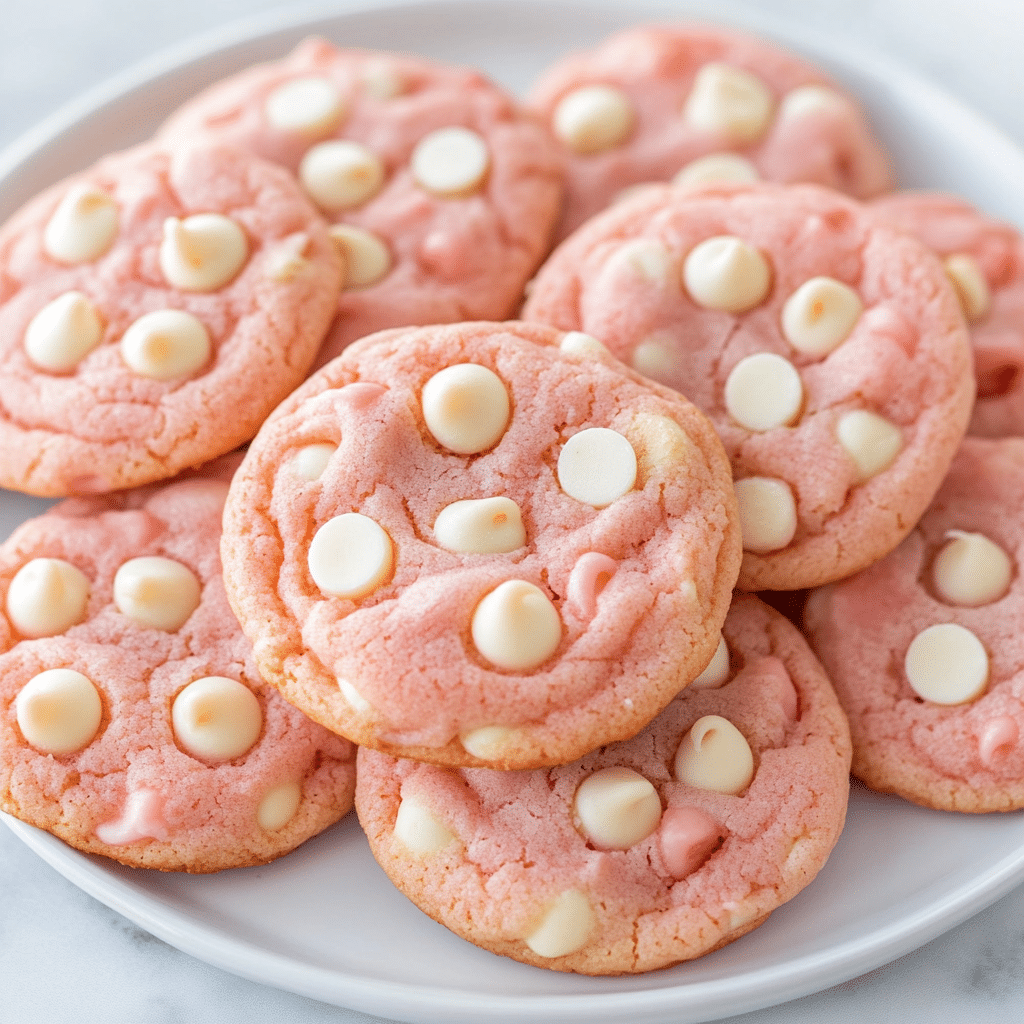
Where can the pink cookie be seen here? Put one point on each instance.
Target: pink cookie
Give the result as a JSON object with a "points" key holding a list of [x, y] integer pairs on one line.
{"points": [[703, 104], [925, 647], [442, 192], [153, 311], [644, 853], [133, 720], [466, 545], [985, 259], [828, 349]]}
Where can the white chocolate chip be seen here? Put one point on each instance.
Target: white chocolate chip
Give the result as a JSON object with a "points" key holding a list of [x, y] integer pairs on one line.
{"points": [[947, 664], [809, 99], [450, 161], [566, 926], [717, 671], [358, 702], [287, 260], [63, 333], [166, 344], [46, 597], [970, 570], [516, 626], [764, 391], [577, 343], [278, 806], [655, 359], [340, 174], [725, 273], [729, 102], [593, 118], [350, 556], [480, 526], [597, 466], [767, 513], [490, 742], [310, 106], [367, 257], [419, 829], [716, 167], [644, 259], [970, 284], [715, 755], [616, 808], [59, 711], [216, 718], [466, 408], [83, 226], [820, 315], [381, 80], [309, 463], [871, 441], [203, 252], [156, 592]]}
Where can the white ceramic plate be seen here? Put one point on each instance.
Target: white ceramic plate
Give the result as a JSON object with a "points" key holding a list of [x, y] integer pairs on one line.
{"points": [[325, 922]]}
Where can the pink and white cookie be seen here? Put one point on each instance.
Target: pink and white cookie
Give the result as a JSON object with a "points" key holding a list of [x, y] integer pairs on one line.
{"points": [[443, 193], [985, 260], [828, 349], [925, 648], [644, 853], [698, 104], [133, 720], [153, 310], [482, 544]]}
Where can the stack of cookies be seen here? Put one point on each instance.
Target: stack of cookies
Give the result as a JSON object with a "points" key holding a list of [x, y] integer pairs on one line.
{"points": [[514, 562]]}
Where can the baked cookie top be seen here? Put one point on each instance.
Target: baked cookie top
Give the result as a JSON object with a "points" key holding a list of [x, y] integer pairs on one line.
{"points": [[133, 719], [924, 647], [482, 544], [698, 103], [828, 349], [644, 853], [442, 191], [153, 310]]}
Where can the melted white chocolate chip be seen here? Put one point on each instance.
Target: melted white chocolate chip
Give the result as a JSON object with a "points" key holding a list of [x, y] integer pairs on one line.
{"points": [[216, 718], [516, 626], [729, 102], [970, 570], [309, 463], [716, 167], [819, 315], [947, 664], [593, 118], [83, 226], [616, 808], [350, 556], [367, 257], [806, 100], [420, 830], [46, 597], [715, 755], [480, 526], [166, 344], [156, 592], [278, 806], [597, 466], [767, 513], [871, 441], [203, 252], [340, 174], [970, 284], [764, 391], [654, 358], [727, 274], [490, 742], [309, 106], [63, 333], [565, 927], [466, 408], [59, 711], [717, 671], [450, 161], [577, 343]]}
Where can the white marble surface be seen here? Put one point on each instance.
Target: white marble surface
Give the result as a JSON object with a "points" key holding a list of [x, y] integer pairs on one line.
{"points": [[65, 956]]}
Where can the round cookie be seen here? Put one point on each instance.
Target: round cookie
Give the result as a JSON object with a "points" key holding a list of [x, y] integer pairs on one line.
{"points": [[828, 349], [133, 720], [482, 544], [442, 192], [643, 853], [699, 104], [153, 310], [924, 647], [985, 260]]}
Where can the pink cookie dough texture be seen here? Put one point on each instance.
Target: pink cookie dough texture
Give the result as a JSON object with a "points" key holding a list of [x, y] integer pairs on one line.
{"points": [[155, 805], [811, 130], [101, 425], [961, 757], [515, 844], [994, 252], [906, 359], [398, 668], [460, 256]]}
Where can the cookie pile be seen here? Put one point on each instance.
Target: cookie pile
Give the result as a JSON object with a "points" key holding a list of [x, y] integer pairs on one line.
{"points": [[512, 561]]}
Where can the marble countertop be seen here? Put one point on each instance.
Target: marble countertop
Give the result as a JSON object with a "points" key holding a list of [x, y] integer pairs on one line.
{"points": [[67, 957]]}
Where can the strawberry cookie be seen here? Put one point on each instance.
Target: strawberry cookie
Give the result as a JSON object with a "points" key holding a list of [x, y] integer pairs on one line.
{"points": [[153, 311], [828, 349], [133, 720], [442, 192], [643, 853], [482, 544]]}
